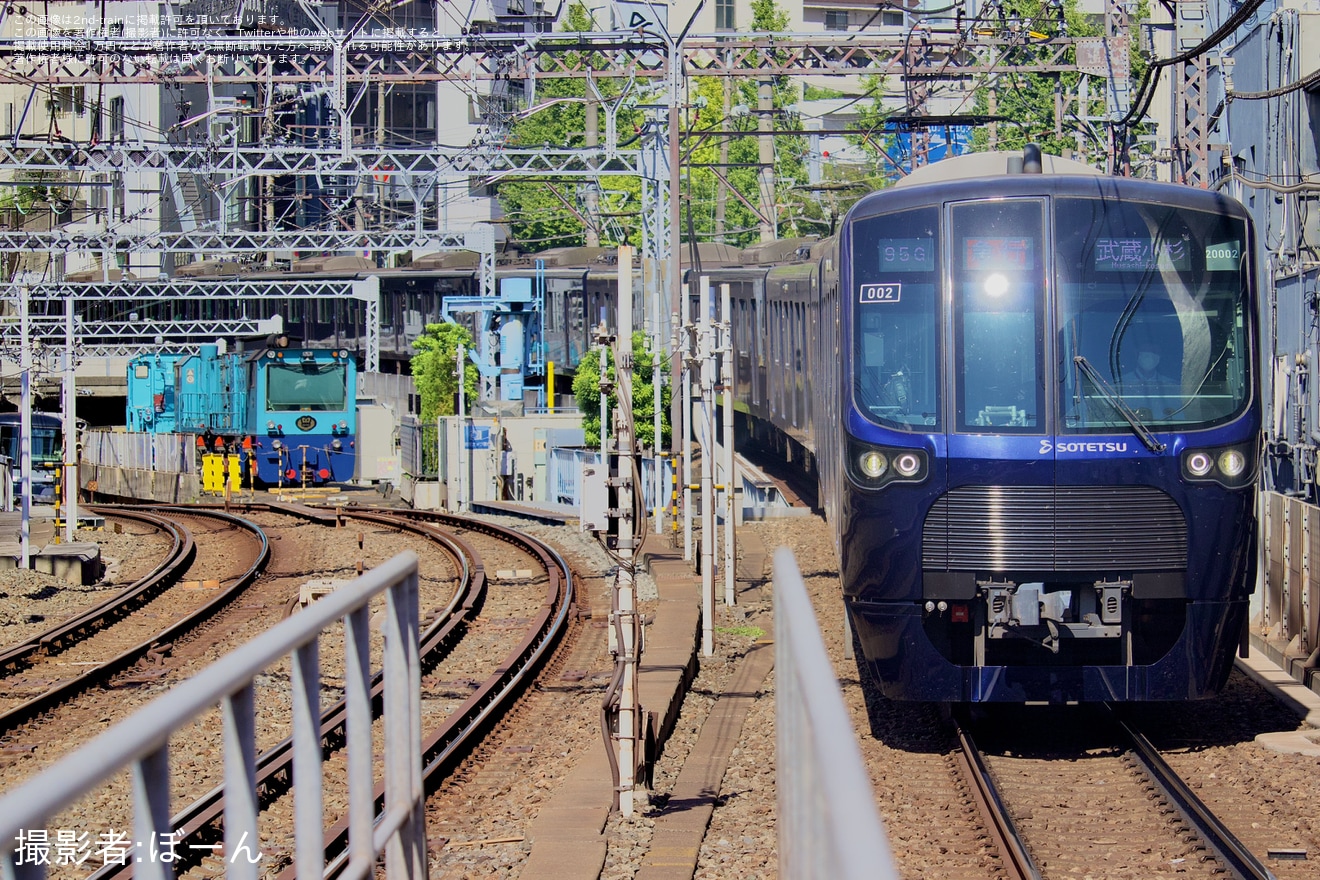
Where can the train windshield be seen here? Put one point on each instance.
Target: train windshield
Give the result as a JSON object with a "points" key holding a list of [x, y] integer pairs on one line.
{"points": [[46, 445], [896, 343], [295, 386], [1152, 315], [998, 293]]}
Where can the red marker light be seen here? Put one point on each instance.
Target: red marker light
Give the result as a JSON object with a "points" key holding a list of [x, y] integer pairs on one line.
{"points": [[958, 614]]}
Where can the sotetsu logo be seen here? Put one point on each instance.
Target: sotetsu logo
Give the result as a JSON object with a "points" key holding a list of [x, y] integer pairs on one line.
{"points": [[1046, 447]]}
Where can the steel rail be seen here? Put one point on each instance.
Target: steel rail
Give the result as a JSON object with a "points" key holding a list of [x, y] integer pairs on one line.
{"points": [[103, 672], [96, 618], [1241, 863], [1013, 851], [444, 746], [202, 822]]}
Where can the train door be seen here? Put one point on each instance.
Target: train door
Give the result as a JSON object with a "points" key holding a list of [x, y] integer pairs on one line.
{"points": [[999, 435]]}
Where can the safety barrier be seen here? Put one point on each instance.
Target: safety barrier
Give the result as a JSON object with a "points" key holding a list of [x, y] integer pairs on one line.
{"points": [[161, 453], [1286, 627], [142, 743], [828, 824]]}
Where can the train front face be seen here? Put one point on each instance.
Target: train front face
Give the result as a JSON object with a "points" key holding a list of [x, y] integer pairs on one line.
{"points": [[304, 416], [1051, 449]]}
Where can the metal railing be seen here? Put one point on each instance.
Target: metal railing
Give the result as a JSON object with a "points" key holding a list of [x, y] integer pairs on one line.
{"points": [[141, 743], [828, 823], [1287, 627], [162, 453], [419, 449]]}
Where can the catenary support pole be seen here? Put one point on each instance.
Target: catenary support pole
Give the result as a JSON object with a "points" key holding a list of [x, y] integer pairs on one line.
{"points": [[25, 434], [624, 616], [69, 482], [462, 429], [688, 358], [730, 479], [708, 457]]}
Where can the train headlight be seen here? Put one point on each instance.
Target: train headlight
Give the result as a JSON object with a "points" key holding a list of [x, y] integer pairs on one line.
{"points": [[337, 445], [1232, 463], [873, 467], [874, 464], [275, 444], [343, 426], [270, 425], [1229, 466]]}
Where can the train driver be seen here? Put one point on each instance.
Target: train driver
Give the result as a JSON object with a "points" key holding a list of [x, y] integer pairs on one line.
{"points": [[1148, 387]]}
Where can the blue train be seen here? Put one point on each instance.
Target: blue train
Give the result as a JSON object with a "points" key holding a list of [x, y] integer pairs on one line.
{"points": [[291, 411], [1033, 402], [47, 451]]}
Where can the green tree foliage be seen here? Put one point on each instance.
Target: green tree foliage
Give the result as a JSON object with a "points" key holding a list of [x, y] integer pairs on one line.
{"points": [[549, 213], [434, 369], [586, 390], [1027, 101], [707, 127]]}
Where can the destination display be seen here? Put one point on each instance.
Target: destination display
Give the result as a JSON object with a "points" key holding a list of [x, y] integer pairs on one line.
{"points": [[907, 254], [1140, 254], [982, 254]]}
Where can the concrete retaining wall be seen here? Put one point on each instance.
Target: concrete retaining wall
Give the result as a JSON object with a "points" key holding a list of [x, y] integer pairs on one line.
{"points": [[120, 482]]}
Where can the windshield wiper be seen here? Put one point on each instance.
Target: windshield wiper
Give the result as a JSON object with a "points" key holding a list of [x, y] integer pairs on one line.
{"points": [[1138, 426]]}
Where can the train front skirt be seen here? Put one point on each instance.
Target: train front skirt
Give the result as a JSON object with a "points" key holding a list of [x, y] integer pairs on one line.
{"points": [[308, 459], [909, 667]]}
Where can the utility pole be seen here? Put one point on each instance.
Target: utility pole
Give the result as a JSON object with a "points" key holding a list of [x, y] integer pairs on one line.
{"points": [[721, 191], [462, 428], [765, 146], [688, 343], [625, 624], [25, 433], [70, 479], [706, 354], [730, 473], [591, 189]]}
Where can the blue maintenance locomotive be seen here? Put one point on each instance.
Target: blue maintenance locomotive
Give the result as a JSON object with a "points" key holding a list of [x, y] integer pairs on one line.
{"points": [[291, 411], [1039, 430]]}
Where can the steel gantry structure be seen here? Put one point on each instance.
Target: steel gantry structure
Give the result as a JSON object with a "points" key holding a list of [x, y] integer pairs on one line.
{"points": [[341, 65]]}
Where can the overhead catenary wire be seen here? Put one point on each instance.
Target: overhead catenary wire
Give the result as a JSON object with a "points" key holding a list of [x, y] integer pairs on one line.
{"points": [[1146, 89]]}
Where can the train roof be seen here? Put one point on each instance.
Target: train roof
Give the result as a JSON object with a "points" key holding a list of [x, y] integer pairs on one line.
{"points": [[1002, 175], [333, 264], [212, 269], [771, 253], [992, 164], [39, 419], [470, 260]]}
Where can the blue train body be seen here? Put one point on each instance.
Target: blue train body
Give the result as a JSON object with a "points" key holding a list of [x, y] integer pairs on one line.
{"points": [[46, 450], [1033, 401], [291, 412]]}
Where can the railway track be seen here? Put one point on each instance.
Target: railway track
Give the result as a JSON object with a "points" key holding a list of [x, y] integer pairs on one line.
{"points": [[199, 825], [111, 638], [1099, 797]]}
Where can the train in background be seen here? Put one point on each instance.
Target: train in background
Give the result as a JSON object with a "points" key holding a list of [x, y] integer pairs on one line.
{"points": [[290, 410], [47, 451]]}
